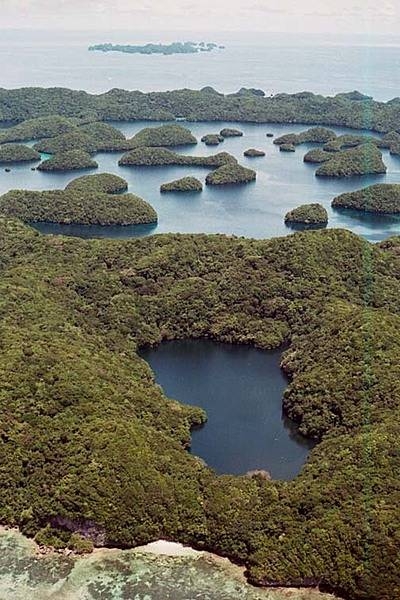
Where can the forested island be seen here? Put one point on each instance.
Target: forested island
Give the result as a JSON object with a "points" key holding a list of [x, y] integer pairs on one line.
{"points": [[307, 214], [346, 110], [381, 198], [83, 421], [165, 49], [185, 184]]}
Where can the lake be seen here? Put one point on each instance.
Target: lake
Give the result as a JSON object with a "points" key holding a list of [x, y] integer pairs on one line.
{"points": [[241, 389]]}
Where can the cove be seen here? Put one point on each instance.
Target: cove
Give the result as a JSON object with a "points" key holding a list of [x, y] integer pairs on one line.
{"points": [[241, 389]]}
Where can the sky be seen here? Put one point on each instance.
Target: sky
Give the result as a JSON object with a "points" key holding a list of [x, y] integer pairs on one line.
{"points": [[292, 16]]}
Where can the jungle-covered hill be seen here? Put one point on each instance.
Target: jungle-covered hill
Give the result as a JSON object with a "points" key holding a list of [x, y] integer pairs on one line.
{"points": [[89, 443], [351, 110]]}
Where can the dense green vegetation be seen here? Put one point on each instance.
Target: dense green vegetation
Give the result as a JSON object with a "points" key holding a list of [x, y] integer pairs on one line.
{"points": [[33, 129], [212, 139], [253, 153], [166, 135], [319, 135], [307, 214], [159, 157], [10, 153], [317, 155], [91, 137], [166, 49], [77, 205], [186, 184], [68, 161], [204, 105], [100, 182], [90, 445], [229, 174], [228, 132], [378, 198], [362, 160]]}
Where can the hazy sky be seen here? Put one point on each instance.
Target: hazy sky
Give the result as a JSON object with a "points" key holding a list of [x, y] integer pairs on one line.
{"points": [[335, 16]]}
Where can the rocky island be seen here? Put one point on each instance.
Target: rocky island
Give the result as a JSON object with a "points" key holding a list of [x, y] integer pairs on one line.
{"points": [[253, 153], [71, 160], [307, 214], [106, 183], [319, 135], [166, 135], [82, 203], [14, 153], [159, 157], [362, 160], [212, 139], [317, 155], [165, 49], [231, 174], [186, 184], [229, 132], [381, 198]]}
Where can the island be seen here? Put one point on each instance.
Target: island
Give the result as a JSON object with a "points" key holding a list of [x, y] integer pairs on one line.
{"points": [[68, 161], [307, 214], [185, 184], [212, 139], [14, 153], [160, 157], [166, 135], [91, 445], [362, 160], [91, 137], [76, 206], [253, 153], [165, 49], [318, 135], [231, 174], [37, 128], [381, 198], [229, 132]]}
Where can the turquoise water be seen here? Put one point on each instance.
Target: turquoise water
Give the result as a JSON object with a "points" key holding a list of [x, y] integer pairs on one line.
{"points": [[241, 389], [122, 575]]}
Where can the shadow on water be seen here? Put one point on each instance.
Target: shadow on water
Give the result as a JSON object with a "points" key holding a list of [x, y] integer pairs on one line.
{"points": [[305, 226], [241, 389], [96, 231]]}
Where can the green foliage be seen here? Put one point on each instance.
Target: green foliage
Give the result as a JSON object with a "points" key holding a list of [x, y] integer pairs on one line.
{"points": [[287, 148], [100, 182], [10, 153], [165, 49], [89, 442], [317, 155], [378, 198], [33, 129], [319, 135], [186, 184], [166, 135], [231, 173], [159, 157], [77, 204], [79, 544], [308, 214], [70, 160], [362, 160]]}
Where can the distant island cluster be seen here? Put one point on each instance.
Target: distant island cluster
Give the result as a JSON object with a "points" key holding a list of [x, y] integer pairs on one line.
{"points": [[166, 49]]}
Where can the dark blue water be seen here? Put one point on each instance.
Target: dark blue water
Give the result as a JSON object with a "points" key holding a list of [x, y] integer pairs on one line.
{"points": [[241, 389], [255, 210]]}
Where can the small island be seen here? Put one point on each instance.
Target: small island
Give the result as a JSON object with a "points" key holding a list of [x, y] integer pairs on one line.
{"points": [[35, 129], [316, 135], [165, 135], [362, 160], [160, 157], [71, 160], [164, 49], [231, 174], [381, 198], [91, 137], [307, 214], [186, 184], [229, 132], [253, 153], [212, 139], [14, 153]]}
